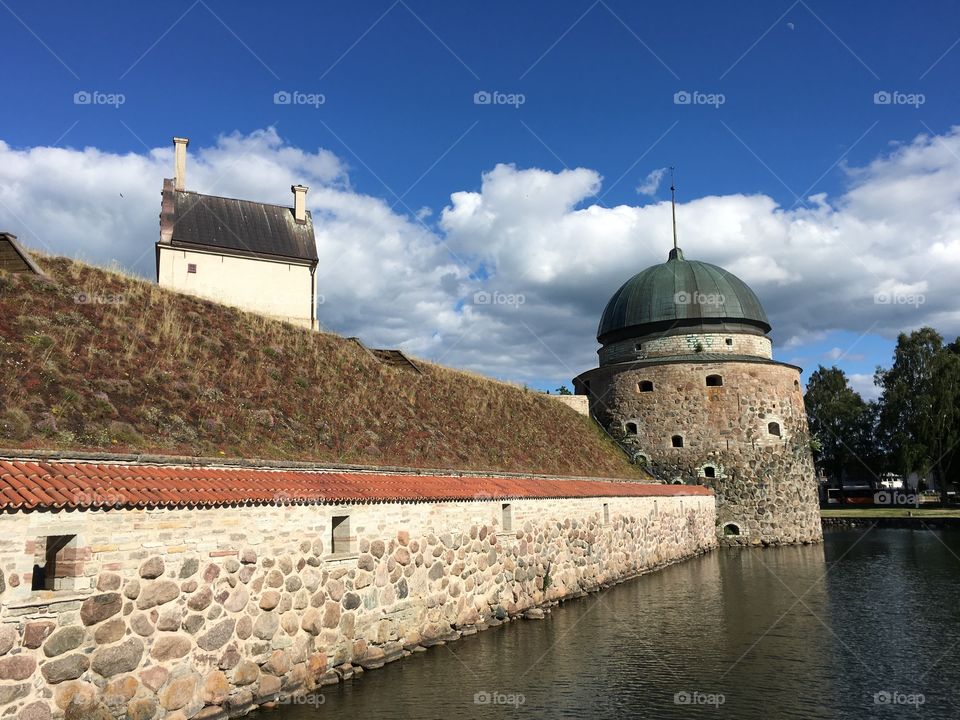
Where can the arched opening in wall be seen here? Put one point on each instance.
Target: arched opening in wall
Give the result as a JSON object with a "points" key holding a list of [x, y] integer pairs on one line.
{"points": [[773, 428], [731, 529], [714, 380], [677, 481], [677, 441], [646, 386], [709, 471], [630, 428], [796, 384]]}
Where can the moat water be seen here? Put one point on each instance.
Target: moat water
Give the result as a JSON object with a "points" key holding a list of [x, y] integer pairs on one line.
{"points": [[865, 626]]}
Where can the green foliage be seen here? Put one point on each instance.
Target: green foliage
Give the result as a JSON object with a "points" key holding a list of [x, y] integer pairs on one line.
{"points": [[563, 390], [842, 425]]}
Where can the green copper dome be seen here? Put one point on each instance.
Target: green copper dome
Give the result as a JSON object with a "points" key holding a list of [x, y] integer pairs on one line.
{"points": [[681, 296]]}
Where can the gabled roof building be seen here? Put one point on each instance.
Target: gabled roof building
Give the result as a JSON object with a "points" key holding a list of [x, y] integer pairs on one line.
{"points": [[255, 256]]}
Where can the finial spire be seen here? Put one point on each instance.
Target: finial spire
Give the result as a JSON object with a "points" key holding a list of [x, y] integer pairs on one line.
{"points": [[673, 206]]}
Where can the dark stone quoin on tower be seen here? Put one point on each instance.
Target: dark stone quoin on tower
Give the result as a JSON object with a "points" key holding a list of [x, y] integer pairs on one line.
{"points": [[687, 382]]}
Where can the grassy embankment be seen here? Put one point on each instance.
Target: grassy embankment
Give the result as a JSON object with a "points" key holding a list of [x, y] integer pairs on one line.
{"points": [[99, 360]]}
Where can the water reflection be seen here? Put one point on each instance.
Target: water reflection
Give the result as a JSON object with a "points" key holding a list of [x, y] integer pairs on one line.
{"points": [[805, 632]]}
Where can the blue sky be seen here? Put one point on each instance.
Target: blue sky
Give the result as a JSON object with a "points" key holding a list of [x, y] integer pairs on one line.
{"points": [[796, 114]]}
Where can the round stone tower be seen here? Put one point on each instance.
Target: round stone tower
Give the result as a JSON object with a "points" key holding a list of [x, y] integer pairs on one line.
{"points": [[687, 382]]}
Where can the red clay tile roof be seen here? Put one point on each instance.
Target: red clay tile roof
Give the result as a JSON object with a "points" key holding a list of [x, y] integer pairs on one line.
{"points": [[32, 485]]}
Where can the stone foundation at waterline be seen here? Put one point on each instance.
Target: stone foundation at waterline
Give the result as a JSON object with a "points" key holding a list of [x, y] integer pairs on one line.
{"points": [[209, 612]]}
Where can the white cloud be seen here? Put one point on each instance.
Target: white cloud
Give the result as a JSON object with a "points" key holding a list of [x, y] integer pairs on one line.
{"points": [[650, 184], [863, 384], [397, 282]]}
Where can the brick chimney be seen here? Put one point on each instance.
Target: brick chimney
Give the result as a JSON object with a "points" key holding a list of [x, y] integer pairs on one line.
{"points": [[180, 162], [299, 202]]}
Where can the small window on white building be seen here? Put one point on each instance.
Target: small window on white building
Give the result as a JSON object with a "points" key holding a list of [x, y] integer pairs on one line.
{"points": [[341, 542], [729, 341], [506, 513], [192, 268]]}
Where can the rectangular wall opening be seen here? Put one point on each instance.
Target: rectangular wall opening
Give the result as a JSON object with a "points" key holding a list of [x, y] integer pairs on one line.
{"points": [[55, 563], [606, 513], [507, 517], [341, 542]]}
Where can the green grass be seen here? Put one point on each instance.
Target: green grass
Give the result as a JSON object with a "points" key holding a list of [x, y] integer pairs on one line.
{"points": [[928, 513], [99, 360]]}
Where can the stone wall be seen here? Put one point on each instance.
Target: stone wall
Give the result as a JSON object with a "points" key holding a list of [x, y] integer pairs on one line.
{"points": [[580, 403], [208, 613], [686, 344], [765, 483]]}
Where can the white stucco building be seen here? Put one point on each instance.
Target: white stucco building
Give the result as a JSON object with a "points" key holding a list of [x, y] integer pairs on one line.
{"points": [[251, 255]]}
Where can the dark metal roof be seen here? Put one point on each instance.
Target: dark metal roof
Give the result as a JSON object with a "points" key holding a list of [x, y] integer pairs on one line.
{"points": [[13, 258], [679, 291], [244, 227]]}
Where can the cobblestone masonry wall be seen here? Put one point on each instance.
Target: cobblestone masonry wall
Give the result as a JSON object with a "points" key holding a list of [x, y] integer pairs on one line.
{"points": [[658, 346], [765, 484], [210, 613]]}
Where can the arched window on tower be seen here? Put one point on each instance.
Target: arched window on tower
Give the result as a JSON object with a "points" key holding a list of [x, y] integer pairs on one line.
{"points": [[646, 386], [714, 381], [631, 428], [773, 428], [709, 471], [677, 441]]}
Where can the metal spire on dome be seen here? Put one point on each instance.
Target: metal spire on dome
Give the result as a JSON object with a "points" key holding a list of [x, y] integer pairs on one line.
{"points": [[676, 253]]}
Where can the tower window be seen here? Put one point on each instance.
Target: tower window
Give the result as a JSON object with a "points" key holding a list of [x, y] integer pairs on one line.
{"points": [[506, 517], [677, 441], [729, 341], [646, 386], [606, 513], [709, 471], [631, 428], [773, 428], [714, 381]]}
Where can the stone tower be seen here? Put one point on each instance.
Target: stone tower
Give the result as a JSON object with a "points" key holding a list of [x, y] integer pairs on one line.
{"points": [[688, 382]]}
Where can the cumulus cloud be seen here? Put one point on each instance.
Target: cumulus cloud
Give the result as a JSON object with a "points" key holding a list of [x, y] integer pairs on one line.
{"points": [[510, 279], [651, 183]]}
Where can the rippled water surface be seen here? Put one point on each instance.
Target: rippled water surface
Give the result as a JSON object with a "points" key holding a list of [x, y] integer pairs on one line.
{"points": [[866, 625]]}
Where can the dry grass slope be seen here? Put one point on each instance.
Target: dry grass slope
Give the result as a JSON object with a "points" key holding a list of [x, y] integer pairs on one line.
{"points": [[100, 360]]}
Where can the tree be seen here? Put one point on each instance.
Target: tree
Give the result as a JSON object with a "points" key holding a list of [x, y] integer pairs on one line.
{"points": [[919, 407], [563, 390], [843, 424]]}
